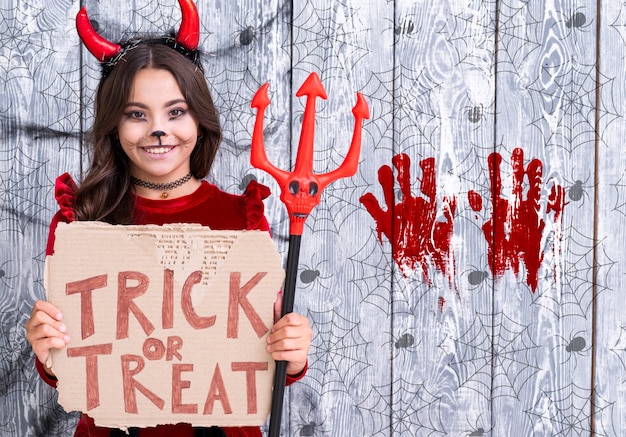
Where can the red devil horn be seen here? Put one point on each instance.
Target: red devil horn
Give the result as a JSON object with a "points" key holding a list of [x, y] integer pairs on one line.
{"points": [[189, 33], [100, 47]]}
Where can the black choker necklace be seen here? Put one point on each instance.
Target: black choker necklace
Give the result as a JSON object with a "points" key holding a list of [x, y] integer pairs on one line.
{"points": [[161, 187]]}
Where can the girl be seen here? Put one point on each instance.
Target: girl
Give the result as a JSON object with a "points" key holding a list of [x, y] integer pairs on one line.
{"points": [[154, 138]]}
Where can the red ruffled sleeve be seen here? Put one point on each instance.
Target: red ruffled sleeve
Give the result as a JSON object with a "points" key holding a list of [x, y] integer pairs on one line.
{"points": [[255, 209], [64, 193]]}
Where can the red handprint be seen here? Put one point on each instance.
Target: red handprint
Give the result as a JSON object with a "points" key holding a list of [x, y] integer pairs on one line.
{"points": [[514, 231], [411, 226]]}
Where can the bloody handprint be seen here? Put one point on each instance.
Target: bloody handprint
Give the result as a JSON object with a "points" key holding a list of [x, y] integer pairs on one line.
{"points": [[412, 226], [515, 230]]}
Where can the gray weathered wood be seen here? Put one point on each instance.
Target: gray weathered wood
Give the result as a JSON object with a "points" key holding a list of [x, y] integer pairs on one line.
{"points": [[459, 352], [609, 221]]}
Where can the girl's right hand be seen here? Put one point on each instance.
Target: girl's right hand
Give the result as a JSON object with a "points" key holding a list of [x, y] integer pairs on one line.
{"points": [[45, 331]]}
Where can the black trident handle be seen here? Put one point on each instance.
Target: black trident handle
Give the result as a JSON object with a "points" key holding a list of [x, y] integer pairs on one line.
{"points": [[280, 374]]}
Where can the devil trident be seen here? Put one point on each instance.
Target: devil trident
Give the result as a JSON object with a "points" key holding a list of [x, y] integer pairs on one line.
{"points": [[300, 192]]}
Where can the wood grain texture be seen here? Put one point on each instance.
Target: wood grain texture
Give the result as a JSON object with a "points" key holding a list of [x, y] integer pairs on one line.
{"points": [[415, 334], [544, 86], [610, 217]]}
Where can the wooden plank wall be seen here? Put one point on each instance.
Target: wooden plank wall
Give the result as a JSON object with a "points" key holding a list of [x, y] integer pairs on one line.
{"points": [[467, 281]]}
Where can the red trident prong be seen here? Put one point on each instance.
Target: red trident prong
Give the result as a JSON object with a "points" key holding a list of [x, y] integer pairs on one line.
{"points": [[301, 189]]}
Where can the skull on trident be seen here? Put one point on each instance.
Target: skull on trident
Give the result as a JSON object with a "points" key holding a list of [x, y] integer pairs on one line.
{"points": [[301, 189], [300, 192]]}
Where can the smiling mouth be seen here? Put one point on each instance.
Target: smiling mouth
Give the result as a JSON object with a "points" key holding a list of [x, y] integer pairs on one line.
{"points": [[158, 150]]}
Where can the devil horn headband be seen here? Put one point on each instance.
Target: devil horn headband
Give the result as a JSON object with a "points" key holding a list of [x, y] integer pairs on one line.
{"points": [[104, 50]]}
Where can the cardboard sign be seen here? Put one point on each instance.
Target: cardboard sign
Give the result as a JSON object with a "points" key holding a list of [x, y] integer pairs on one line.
{"points": [[167, 324]]}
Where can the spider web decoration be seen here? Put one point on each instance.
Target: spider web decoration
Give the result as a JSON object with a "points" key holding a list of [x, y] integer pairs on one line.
{"points": [[337, 352], [607, 112], [332, 40], [620, 195], [471, 35], [382, 285], [151, 18], [619, 349], [61, 99], [25, 39], [619, 25], [567, 411], [495, 357], [415, 411], [566, 112], [577, 287], [338, 202], [378, 130], [418, 122], [22, 192], [371, 270], [519, 37], [232, 91]]}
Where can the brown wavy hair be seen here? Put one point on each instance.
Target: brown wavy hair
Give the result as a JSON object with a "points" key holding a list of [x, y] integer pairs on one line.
{"points": [[105, 193]]}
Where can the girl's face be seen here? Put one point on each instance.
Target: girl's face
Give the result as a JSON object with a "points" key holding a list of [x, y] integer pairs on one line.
{"points": [[156, 106]]}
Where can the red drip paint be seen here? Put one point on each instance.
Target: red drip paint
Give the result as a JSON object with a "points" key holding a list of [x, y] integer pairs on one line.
{"points": [[441, 304], [515, 229], [418, 236], [475, 201]]}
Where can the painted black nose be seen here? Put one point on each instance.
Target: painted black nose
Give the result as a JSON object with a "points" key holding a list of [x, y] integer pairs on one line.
{"points": [[157, 133]]}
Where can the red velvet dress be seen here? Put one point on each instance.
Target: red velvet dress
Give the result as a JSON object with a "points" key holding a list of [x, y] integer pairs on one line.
{"points": [[208, 206]]}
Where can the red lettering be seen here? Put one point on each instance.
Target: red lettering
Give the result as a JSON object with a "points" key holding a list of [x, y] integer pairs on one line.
{"points": [[174, 343], [125, 304], [91, 354], [192, 317], [153, 349], [85, 287], [177, 388], [250, 369], [217, 390], [129, 384], [167, 309], [237, 297]]}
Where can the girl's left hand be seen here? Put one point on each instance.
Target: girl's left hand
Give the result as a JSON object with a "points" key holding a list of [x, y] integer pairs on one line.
{"points": [[290, 339]]}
